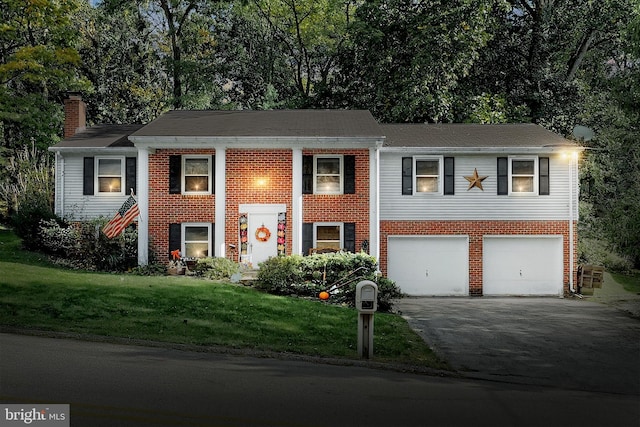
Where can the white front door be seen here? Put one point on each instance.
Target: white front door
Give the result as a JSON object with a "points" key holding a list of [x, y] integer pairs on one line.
{"points": [[262, 236]]}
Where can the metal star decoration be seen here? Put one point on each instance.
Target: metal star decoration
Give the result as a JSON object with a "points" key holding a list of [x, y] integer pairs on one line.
{"points": [[475, 180]]}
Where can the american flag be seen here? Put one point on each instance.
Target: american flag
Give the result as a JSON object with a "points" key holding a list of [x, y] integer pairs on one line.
{"points": [[125, 216]]}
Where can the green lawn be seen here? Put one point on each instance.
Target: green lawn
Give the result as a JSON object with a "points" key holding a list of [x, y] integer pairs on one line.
{"points": [[34, 294], [630, 282]]}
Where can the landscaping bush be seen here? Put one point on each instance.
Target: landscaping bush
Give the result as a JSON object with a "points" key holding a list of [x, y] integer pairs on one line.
{"points": [[216, 268], [308, 276], [84, 246], [26, 220]]}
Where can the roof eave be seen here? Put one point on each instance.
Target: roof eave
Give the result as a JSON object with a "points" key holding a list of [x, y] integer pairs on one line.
{"points": [[478, 150], [246, 142]]}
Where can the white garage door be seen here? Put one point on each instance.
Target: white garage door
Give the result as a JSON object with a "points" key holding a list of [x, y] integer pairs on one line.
{"points": [[522, 265], [429, 265]]}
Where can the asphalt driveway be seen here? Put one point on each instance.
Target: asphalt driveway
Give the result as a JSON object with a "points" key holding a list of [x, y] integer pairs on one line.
{"points": [[568, 343]]}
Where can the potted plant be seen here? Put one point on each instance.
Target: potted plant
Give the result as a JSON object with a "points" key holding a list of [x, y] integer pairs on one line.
{"points": [[176, 265]]}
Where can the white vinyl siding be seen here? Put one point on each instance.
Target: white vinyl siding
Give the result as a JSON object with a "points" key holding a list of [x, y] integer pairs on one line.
{"points": [[76, 205], [473, 204]]}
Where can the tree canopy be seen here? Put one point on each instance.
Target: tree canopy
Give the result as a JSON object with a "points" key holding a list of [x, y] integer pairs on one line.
{"points": [[558, 63]]}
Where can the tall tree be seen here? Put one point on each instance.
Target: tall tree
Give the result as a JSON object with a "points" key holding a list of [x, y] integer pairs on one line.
{"points": [[38, 62], [309, 35], [121, 58], [405, 59]]}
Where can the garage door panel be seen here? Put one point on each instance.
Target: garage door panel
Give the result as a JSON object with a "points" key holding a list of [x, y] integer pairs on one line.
{"points": [[429, 265], [522, 265]]}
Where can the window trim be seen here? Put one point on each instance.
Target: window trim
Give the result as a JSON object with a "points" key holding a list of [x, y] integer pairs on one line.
{"points": [[340, 158], [328, 224], [183, 237], [183, 175], [535, 176], [97, 176], [440, 190]]}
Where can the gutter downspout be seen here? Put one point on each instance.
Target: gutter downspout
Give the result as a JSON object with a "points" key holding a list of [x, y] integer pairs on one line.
{"points": [[60, 161], [573, 156]]}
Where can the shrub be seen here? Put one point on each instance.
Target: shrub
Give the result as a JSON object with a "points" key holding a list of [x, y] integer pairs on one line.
{"points": [[216, 268], [26, 220], [338, 273], [83, 245], [280, 275]]}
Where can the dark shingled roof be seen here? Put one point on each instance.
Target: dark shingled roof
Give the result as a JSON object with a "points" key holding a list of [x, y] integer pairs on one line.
{"points": [[470, 135], [101, 136], [271, 123]]}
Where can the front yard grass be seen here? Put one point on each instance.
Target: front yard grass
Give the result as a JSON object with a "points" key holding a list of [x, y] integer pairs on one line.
{"points": [[630, 282], [36, 295]]}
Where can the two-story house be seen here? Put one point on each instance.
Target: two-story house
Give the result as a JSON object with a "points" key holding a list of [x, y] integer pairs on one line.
{"points": [[446, 209]]}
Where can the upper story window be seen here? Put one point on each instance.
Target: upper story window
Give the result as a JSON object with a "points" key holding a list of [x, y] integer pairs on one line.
{"points": [[191, 174], [327, 175], [197, 174], [110, 175], [523, 176], [427, 175]]}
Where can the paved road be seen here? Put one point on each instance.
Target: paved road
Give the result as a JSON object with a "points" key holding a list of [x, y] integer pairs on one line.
{"points": [[568, 343], [115, 385]]}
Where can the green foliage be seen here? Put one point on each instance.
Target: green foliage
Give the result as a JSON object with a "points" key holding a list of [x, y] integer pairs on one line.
{"points": [[26, 221], [337, 273], [216, 268], [84, 246], [404, 59]]}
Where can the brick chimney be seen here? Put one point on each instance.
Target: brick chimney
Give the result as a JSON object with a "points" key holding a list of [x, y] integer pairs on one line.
{"points": [[75, 115]]}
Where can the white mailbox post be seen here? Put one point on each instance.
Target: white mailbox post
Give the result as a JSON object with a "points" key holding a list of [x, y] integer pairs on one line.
{"points": [[366, 304]]}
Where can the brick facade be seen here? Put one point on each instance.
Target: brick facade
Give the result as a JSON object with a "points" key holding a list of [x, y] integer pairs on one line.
{"points": [[165, 208], [257, 177], [343, 207], [476, 230]]}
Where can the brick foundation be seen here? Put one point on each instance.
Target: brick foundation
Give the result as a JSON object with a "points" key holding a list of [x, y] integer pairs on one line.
{"points": [[476, 230]]}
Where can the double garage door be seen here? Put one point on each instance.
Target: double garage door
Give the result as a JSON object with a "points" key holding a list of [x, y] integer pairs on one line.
{"points": [[512, 265]]}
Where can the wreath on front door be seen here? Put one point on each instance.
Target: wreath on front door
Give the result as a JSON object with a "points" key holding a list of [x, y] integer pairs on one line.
{"points": [[262, 234]]}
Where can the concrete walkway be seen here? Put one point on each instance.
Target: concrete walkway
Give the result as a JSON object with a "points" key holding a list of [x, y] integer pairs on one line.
{"points": [[584, 344]]}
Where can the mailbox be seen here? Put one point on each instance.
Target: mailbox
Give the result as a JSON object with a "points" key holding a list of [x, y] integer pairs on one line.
{"points": [[366, 296]]}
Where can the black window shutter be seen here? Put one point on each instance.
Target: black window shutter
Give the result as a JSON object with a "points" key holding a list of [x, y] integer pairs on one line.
{"points": [[543, 176], [130, 172], [213, 174], [407, 175], [350, 174], [350, 237], [87, 176], [307, 174], [503, 176], [175, 238], [449, 176], [307, 237], [175, 174]]}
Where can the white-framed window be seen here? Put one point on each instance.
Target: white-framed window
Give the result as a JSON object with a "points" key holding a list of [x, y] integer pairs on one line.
{"points": [[110, 175], [196, 174], [523, 175], [196, 240], [328, 176], [428, 175], [328, 235]]}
